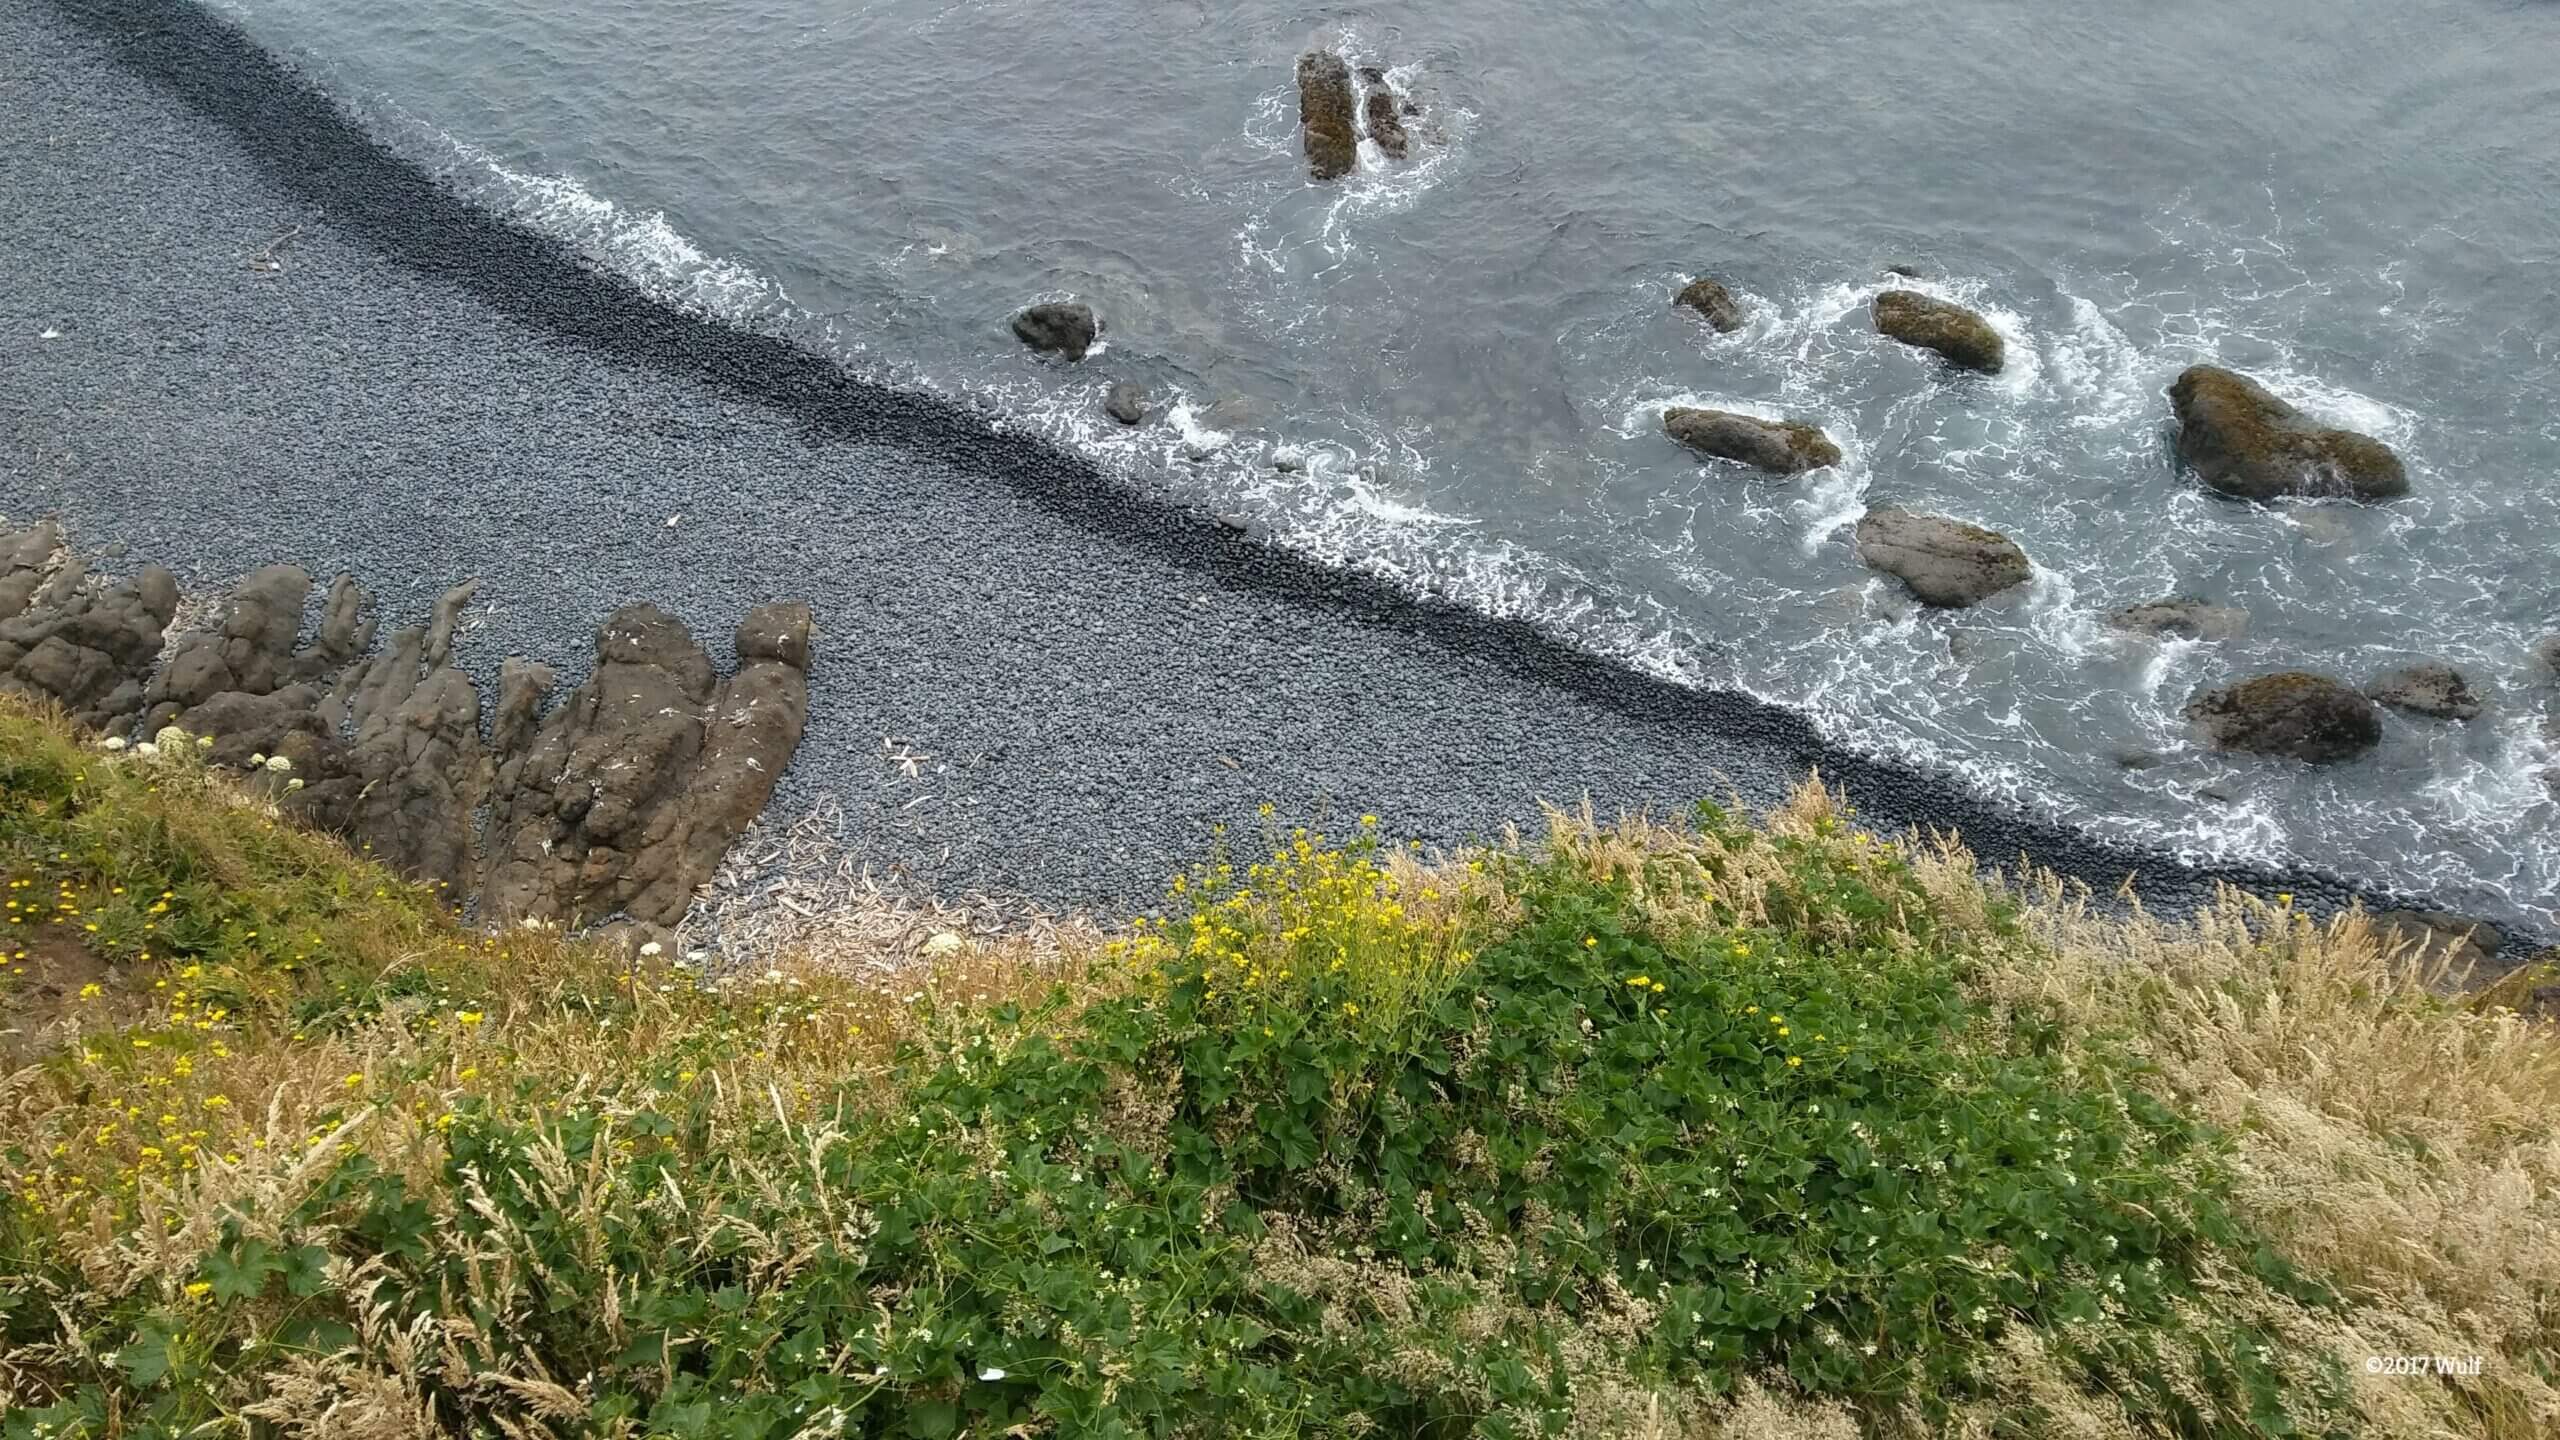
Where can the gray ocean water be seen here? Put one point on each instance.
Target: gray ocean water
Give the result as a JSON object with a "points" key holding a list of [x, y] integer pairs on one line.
{"points": [[1450, 369]]}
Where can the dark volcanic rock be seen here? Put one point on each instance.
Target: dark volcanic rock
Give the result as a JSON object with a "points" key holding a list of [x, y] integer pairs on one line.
{"points": [[2290, 713], [2183, 615], [1060, 327], [2430, 687], [250, 651], [2470, 944], [2243, 441], [631, 791], [1127, 403], [2546, 656], [1781, 447], [84, 643], [1958, 335], [1945, 562], [26, 558], [1386, 122], [1712, 300], [1325, 114]]}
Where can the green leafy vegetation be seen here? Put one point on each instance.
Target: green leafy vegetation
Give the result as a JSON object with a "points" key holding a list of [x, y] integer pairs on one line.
{"points": [[1721, 1128]]}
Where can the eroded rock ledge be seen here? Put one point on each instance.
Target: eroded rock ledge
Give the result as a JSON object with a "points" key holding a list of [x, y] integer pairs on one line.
{"points": [[621, 799]]}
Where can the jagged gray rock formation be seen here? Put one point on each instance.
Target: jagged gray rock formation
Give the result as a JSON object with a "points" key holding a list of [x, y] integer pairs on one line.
{"points": [[621, 800], [632, 789], [83, 642]]}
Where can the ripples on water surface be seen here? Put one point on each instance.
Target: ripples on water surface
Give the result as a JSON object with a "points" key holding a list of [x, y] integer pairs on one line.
{"points": [[1462, 359]]}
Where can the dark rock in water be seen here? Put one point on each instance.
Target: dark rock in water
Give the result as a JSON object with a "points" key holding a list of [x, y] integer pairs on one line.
{"points": [[78, 641], [2135, 759], [2546, 655], [1945, 562], [1958, 335], [2182, 615], [2430, 688], [1712, 300], [1058, 326], [1907, 272], [1127, 403], [2243, 441], [2471, 945], [250, 652], [633, 789], [1781, 447], [1386, 123], [1325, 104], [2291, 713], [1374, 74]]}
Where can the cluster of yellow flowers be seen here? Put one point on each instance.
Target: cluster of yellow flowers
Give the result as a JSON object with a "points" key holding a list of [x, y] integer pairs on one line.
{"points": [[1313, 909]]}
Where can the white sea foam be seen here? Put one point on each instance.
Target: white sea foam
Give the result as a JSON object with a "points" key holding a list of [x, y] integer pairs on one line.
{"points": [[1895, 684]]}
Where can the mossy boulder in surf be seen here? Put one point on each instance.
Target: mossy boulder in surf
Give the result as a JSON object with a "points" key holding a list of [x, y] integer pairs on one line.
{"points": [[2244, 442], [1325, 107], [1781, 447], [1959, 336], [2291, 713]]}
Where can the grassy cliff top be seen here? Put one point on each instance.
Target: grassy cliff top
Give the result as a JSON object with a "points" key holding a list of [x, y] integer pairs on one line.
{"points": [[1729, 1127]]}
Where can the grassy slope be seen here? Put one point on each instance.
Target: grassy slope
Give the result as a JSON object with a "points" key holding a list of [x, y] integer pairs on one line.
{"points": [[1716, 1129]]}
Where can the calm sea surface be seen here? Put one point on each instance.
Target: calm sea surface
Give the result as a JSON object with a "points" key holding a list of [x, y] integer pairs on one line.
{"points": [[1451, 369]]}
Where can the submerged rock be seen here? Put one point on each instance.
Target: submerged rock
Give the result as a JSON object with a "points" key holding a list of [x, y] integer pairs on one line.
{"points": [[2430, 687], [1061, 327], [1781, 447], [1712, 300], [1945, 562], [1126, 403], [2243, 441], [2184, 616], [1386, 122], [1325, 104], [2291, 713], [1958, 335], [2546, 656]]}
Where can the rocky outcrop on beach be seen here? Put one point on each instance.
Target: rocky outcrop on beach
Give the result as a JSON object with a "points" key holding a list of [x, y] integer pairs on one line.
{"points": [[1325, 106], [1959, 336], [2291, 713], [2429, 687], [1781, 447], [85, 643], [1945, 562], [2243, 441], [632, 789], [2471, 946], [1126, 402], [620, 800], [2184, 617], [1714, 301], [1059, 327]]}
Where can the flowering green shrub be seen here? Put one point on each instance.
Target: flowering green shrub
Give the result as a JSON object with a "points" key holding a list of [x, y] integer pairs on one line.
{"points": [[1618, 1136]]}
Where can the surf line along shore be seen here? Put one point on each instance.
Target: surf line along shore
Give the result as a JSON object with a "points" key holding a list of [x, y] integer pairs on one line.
{"points": [[1318, 683]]}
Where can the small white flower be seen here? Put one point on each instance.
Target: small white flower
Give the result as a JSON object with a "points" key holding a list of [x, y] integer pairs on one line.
{"points": [[879, 1370], [277, 764], [112, 742], [258, 759], [651, 948], [945, 943], [773, 977], [1867, 1349], [146, 750], [992, 1372], [204, 742], [293, 784], [1980, 1315]]}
